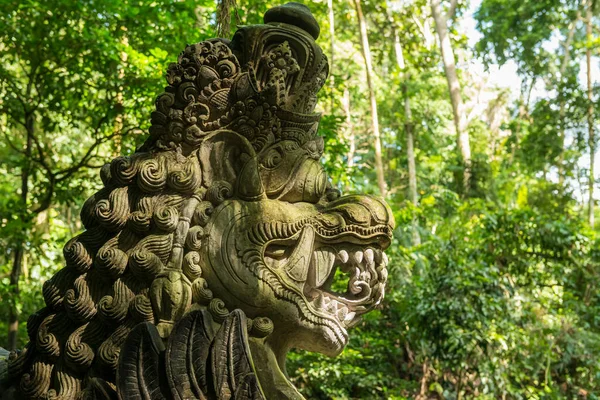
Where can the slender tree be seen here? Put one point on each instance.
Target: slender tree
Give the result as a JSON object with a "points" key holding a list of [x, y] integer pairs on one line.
{"points": [[19, 249], [562, 108], [460, 120], [331, 16], [410, 155], [590, 111], [408, 128], [366, 53], [349, 132]]}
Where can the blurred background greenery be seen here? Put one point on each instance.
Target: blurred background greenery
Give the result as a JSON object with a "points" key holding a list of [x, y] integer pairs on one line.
{"points": [[495, 266]]}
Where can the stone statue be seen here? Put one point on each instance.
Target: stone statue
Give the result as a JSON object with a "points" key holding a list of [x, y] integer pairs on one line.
{"points": [[219, 245]]}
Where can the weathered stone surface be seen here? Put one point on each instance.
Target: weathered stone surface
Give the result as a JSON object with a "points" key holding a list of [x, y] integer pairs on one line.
{"points": [[211, 251]]}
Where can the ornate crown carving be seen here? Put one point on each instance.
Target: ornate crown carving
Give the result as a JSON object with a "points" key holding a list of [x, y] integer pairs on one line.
{"points": [[262, 84]]}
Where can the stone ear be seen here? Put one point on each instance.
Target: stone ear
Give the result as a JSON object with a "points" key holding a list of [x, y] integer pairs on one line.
{"points": [[226, 156]]}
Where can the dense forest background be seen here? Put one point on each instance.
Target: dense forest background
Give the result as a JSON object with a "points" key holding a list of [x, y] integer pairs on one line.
{"points": [[495, 268]]}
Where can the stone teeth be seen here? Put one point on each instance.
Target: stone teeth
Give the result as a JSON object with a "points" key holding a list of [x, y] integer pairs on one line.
{"points": [[333, 306], [365, 276], [320, 302], [385, 258], [350, 316], [342, 312], [378, 255], [370, 256], [343, 256], [383, 275], [358, 256]]}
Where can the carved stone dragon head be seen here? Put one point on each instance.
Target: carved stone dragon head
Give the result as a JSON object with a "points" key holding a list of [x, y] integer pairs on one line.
{"points": [[219, 245]]}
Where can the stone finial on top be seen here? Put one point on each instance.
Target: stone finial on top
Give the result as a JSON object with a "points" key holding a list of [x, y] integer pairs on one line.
{"points": [[296, 14]]}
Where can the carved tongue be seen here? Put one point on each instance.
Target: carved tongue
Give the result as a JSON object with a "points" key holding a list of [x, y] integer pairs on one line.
{"points": [[321, 265]]}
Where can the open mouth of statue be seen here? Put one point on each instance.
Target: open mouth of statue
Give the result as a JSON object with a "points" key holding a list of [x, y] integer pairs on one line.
{"points": [[346, 281], [341, 280]]}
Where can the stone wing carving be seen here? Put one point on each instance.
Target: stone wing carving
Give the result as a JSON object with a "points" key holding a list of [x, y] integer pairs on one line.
{"points": [[187, 356], [140, 364], [197, 363]]}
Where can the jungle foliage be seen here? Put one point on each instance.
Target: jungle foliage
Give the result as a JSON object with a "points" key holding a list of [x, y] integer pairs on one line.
{"points": [[494, 288]]}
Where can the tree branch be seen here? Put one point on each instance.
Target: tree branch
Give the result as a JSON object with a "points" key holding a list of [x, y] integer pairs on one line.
{"points": [[31, 82], [68, 172], [94, 166], [11, 144], [41, 157], [451, 10], [16, 91], [15, 118], [48, 197]]}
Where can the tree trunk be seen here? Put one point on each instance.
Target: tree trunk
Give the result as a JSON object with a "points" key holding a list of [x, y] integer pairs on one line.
{"points": [[561, 112], [591, 139], [397, 47], [425, 29], [412, 168], [366, 53], [424, 381], [349, 132], [15, 274], [460, 123], [13, 317], [410, 141], [332, 53], [224, 18], [561, 139]]}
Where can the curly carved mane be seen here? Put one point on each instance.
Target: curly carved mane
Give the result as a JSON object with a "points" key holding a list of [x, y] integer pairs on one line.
{"points": [[102, 292]]}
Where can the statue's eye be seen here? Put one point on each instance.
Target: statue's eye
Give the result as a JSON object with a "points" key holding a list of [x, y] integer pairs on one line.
{"points": [[276, 251]]}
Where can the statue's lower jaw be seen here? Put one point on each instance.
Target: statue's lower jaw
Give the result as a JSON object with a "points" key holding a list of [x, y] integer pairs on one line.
{"points": [[269, 369]]}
